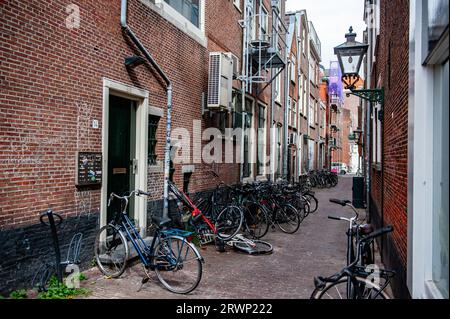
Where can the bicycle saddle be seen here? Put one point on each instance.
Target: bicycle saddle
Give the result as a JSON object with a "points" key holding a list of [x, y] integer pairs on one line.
{"points": [[340, 202], [161, 221], [365, 229]]}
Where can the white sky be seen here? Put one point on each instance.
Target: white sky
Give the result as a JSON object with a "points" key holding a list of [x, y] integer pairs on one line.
{"points": [[332, 19]]}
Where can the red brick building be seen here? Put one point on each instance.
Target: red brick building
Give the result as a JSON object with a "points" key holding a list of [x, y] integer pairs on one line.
{"points": [[389, 151], [74, 83]]}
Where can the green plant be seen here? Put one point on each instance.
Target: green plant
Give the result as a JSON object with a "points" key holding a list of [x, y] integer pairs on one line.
{"points": [[57, 290], [93, 262], [1, 297], [19, 294], [82, 276]]}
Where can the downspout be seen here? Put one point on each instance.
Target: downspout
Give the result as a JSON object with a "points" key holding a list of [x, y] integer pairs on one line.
{"points": [[286, 110], [126, 28], [244, 85]]}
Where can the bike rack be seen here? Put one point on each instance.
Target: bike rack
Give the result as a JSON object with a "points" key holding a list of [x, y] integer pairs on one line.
{"points": [[73, 252]]}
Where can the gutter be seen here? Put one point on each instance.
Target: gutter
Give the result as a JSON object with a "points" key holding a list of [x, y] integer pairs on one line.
{"points": [[155, 65]]}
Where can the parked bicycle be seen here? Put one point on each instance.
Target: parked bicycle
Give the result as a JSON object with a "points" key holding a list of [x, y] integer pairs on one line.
{"points": [[176, 262], [224, 222], [354, 281]]}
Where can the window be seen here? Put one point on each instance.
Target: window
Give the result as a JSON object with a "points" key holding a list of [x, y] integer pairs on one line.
{"points": [[264, 22], [289, 108], [279, 145], [311, 112], [237, 109], [152, 129], [294, 109], [376, 134], [248, 124], [293, 68], [300, 94], [278, 86], [190, 9], [441, 181], [237, 4], [186, 181], [261, 139]]}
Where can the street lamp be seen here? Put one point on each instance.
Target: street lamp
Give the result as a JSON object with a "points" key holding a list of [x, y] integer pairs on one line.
{"points": [[350, 55]]}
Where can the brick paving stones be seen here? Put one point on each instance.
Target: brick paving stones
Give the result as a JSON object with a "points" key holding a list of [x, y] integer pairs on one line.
{"points": [[318, 248]]}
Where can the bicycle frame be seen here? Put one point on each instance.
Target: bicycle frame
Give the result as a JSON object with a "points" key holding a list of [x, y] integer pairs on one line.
{"points": [[145, 252], [195, 211]]}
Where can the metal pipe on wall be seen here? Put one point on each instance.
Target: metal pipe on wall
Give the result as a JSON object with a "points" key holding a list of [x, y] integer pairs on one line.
{"points": [[123, 23]]}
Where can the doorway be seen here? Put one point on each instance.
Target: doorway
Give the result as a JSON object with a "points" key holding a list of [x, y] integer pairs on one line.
{"points": [[121, 152], [125, 121]]}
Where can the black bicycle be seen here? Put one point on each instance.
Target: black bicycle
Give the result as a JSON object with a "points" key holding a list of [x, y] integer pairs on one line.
{"points": [[355, 281], [176, 262]]}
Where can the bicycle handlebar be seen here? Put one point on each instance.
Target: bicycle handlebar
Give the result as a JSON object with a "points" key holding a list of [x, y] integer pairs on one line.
{"points": [[334, 218], [136, 192]]}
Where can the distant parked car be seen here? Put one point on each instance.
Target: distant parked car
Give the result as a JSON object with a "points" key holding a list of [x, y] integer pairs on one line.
{"points": [[339, 168]]}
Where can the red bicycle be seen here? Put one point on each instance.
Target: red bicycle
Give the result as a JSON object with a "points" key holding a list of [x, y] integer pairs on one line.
{"points": [[221, 222]]}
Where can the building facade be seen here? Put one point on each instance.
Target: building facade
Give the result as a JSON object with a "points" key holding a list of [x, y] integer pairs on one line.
{"points": [[406, 141], [78, 86]]}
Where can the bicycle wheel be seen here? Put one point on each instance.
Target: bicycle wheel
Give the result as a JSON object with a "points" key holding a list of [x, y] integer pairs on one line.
{"points": [[313, 202], [111, 251], [254, 247], [338, 290], [256, 220], [178, 264], [288, 219], [229, 222]]}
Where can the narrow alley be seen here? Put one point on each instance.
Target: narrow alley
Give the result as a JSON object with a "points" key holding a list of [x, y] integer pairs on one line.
{"points": [[318, 248]]}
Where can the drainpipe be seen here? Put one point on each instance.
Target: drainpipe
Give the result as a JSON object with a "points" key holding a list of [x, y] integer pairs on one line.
{"points": [[286, 110], [130, 33]]}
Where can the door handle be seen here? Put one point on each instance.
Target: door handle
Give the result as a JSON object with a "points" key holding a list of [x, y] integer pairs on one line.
{"points": [[134, 166]]}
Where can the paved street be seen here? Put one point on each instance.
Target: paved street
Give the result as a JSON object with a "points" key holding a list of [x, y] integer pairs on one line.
{"points": [[318, 248]]}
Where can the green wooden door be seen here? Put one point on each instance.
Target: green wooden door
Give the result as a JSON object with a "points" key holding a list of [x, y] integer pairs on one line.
{"points": [[121, 149]]}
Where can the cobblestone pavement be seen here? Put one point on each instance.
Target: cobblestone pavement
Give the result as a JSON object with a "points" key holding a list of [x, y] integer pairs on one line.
{"points": [[318, 248]]}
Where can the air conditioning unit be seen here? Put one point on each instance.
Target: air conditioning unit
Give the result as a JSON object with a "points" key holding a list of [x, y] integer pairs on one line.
{"points": [[220, 80]]}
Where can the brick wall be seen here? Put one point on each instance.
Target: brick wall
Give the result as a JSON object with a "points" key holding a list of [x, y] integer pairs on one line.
{"points": [[389, 187], [51, 89]]}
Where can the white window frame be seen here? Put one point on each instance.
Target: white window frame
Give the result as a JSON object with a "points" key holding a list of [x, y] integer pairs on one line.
{"points": [[293, 69], [289, 110], [294, 110], [237, 4], [178, 20], [263, 176], [422, 105], [277, 86]]}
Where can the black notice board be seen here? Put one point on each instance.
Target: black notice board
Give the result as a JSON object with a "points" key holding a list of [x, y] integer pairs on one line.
{"points": [[89, 168]]}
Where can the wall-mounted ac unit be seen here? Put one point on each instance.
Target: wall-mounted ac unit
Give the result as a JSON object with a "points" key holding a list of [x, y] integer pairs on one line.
{"points": [[220, 80]]}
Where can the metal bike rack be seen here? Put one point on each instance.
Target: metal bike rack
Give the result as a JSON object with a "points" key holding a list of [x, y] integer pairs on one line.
{"points": [[73, 252]]}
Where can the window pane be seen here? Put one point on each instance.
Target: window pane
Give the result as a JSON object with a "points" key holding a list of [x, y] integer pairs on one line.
{"points": [[152, 129], [437, 21], [441, 183], [190, 9]]}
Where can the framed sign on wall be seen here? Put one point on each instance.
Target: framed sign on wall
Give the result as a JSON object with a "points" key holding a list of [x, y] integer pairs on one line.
{"points": [[89, 168]]}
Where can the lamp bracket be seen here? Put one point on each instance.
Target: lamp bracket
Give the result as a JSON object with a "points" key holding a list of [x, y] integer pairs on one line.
{"points": [[372, 95]]}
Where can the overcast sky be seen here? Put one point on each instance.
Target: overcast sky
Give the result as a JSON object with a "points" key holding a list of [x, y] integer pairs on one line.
{"points": [[332, 19]]}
